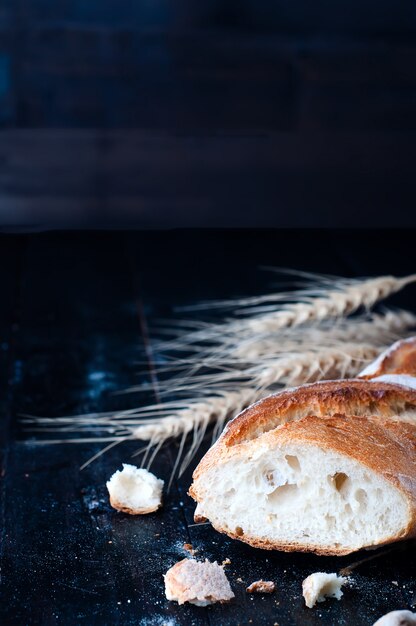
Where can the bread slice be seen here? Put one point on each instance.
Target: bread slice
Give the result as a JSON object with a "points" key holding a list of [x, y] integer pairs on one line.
{"points": [[327, 468]]}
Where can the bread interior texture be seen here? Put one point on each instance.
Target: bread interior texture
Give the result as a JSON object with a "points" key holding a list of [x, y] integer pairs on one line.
{"points": [[304, 495]]}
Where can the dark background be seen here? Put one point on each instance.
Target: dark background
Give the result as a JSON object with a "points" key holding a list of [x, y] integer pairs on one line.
{"points": [[209, 113]]}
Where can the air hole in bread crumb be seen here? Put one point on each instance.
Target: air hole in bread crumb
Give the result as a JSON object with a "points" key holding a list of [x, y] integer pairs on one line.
{"points": [[280, 494], [339, 479], [361, 497], [293, 462], [330, 521]]}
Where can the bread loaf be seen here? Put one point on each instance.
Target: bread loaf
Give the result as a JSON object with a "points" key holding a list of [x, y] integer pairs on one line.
{"points": [[328, 468]]}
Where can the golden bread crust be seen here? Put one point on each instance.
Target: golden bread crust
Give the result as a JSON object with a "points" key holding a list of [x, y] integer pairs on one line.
{"points": [[399, 359], [344, 397]]}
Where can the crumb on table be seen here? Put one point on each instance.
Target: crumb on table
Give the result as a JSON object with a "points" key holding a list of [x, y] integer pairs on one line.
{"points": [[261, 586], [189, 548]]}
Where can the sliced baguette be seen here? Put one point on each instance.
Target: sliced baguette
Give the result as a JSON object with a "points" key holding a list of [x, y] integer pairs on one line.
{"points": [[325, 485], [328, 468]]}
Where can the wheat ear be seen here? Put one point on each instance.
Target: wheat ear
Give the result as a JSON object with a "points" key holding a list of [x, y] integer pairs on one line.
{"points": [[314, 304], [377, 329], [334, 304]]}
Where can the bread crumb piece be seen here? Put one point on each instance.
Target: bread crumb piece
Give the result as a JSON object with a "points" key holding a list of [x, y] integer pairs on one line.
{"points": [[397, 618], [197, 582], [261, 586], [189, 548], [135, 491], [319, 586], [226, 561], [239, 580]]}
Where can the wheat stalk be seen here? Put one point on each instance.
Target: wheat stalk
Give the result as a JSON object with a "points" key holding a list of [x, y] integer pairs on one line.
{"points": [[299, 337], [375, 329], [158, 423]]}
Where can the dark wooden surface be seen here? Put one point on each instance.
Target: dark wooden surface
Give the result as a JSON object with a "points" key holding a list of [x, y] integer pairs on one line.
{"points": [[73, 325], [102, 178], [211, 113]]}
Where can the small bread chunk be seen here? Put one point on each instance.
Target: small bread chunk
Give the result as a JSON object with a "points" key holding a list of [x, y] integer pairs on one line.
{"points": [[135, 491], [197, 582], [261, 586], [397, 618], [318, 586]]}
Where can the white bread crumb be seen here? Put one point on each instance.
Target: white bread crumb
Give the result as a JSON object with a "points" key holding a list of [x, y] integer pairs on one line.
{"points": [[397, 618], [261, 586], [196, 582], [318, 586], [135, 491]]}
